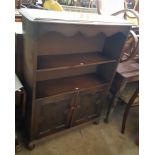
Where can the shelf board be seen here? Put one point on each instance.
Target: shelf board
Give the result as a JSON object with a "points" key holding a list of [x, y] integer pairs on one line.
{"points": [[55, 62], [70, 84]]}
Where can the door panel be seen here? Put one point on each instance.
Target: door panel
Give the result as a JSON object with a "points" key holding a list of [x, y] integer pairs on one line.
{"points": [[54, 116], [89, 104]]}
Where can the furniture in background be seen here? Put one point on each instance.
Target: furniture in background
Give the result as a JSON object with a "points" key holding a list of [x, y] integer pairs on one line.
{"points": [[126, 79], [137, 139], [22, 3], [127, 10], [131, 5], [69, 62], [130, 101], [17, 145], [18, 16], [124, 87], [19, 49], [20, 100], [131, 48], [17, 4]]}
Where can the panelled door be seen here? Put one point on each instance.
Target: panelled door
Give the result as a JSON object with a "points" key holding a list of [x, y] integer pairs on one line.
{"points": [[88, 105], [54, 115]]}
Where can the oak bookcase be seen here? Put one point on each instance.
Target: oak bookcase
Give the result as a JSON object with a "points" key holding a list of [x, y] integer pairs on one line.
{"points": [[69, 63]]}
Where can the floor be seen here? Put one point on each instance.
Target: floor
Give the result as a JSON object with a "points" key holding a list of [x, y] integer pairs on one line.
{"points": [[102, 139]]}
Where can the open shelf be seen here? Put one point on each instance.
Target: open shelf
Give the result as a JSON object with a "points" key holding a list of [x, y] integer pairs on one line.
{"points": [[58, 86], [53, 62]]}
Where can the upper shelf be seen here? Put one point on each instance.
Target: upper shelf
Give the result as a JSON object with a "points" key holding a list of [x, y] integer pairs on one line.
{"points": [[55, 62]]}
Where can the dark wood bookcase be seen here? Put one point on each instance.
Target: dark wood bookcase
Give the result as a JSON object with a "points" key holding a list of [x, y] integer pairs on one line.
{"points": [[69, 61]]}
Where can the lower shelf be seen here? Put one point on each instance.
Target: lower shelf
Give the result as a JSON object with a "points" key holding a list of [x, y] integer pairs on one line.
{"points": [[59, 86]]}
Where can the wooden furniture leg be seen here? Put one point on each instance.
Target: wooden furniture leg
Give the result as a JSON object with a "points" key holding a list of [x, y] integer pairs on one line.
{"points": [[109, 110], [137, 140], [117, 87], [23, 102], [126, 112], [30, 146], [125, 118], [17, 146]]}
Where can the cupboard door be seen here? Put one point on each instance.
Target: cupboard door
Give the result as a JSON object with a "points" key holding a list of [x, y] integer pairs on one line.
{"points": [[89, 104], [55, 115]]}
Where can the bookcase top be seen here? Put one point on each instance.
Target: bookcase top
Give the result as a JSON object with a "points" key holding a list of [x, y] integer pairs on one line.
{"points": [[64, 17]]}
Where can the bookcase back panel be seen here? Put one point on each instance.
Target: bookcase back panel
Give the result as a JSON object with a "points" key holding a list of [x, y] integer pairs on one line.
{"points": [[68, 84], [107, 71], [113, 45], [57, 43]]}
